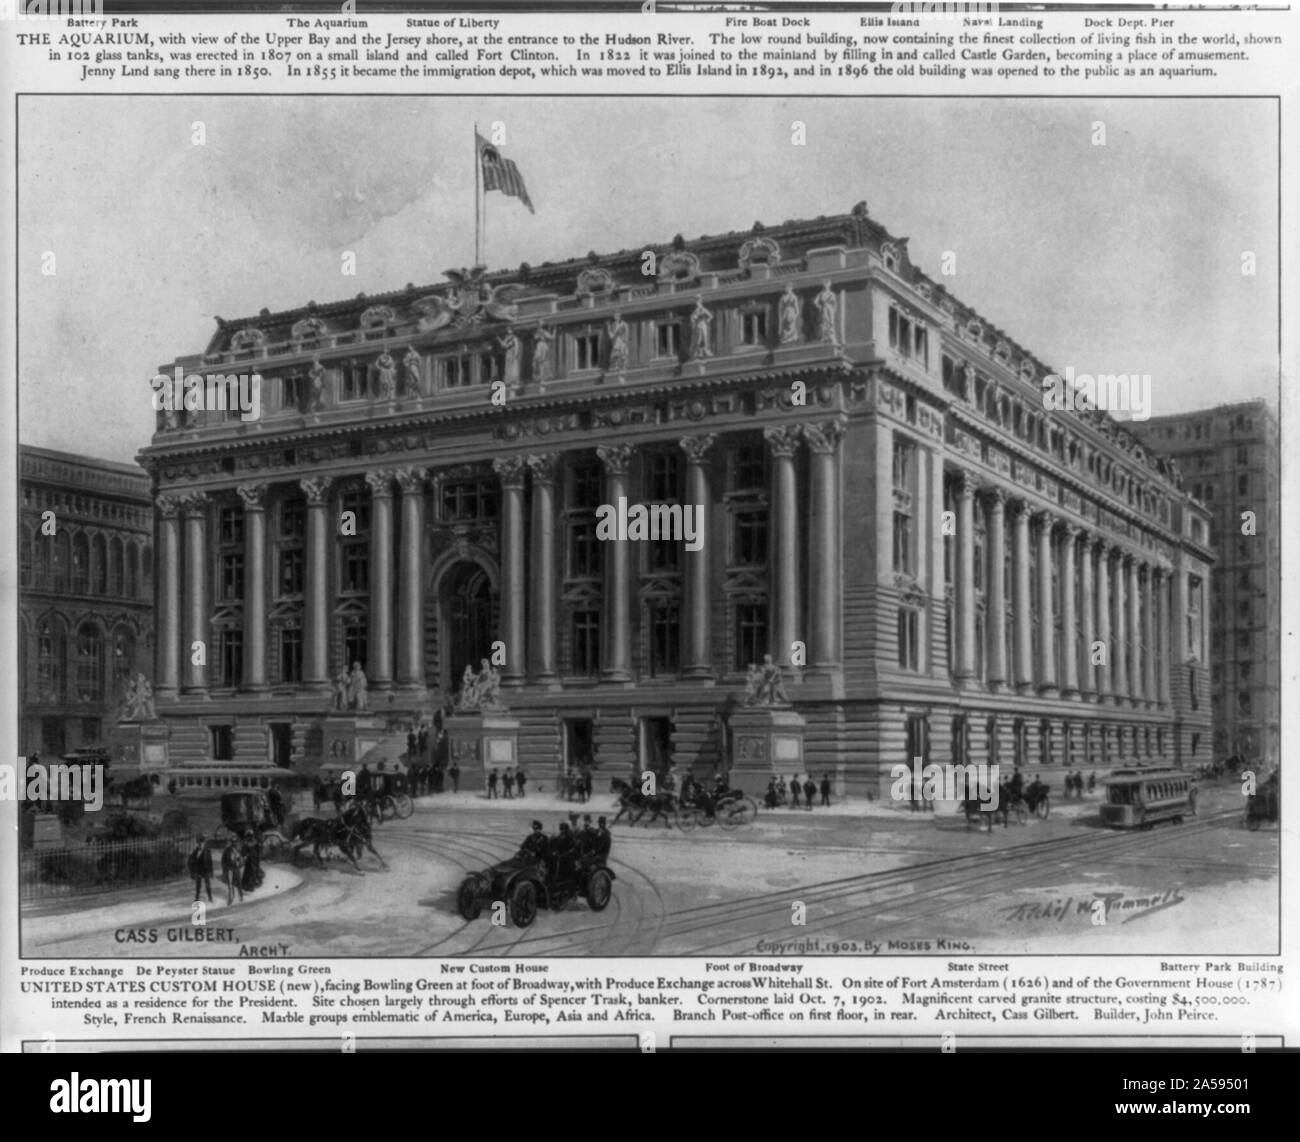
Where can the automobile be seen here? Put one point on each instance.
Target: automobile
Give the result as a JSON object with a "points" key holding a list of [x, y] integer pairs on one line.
{"points": [[526, 884]]}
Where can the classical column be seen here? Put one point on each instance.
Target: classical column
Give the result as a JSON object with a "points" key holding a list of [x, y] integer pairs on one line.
{"points": [[617, 459], [316, 620], [699, 656], [785, 544], [254, 497], [1135, 666], [824, 555], [995, 628], [1162, 588], [541, 613], [169, 597], [1088, 601], [380, 666], [511, 471], [195, 507], [1069, 623], [1149, 637], [1024, 617], [410, 580], [1119, 635], [1046, 611], [1103, 623], [965, 578]]}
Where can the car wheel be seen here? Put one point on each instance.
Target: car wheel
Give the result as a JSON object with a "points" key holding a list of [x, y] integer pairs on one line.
{"points": [[686, 819], [405, 806], [469, 899], [272, 843], [599, 890], [523, 904], [1043, 808]]}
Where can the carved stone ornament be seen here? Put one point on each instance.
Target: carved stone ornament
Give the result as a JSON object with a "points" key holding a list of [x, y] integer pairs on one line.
{"points": [[316, 489], [168, 506], [249, 337], [542, 466], [760, 251], [783, 441], [594, 281], [511, 469], [697, 447], [253, 496], [679, 266], [617, 458], [823, 437], [410, 480], [380, 483], [308, 329], [378, 317]]}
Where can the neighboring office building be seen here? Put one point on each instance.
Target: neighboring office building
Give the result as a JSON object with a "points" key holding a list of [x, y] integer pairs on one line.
{"points": [[1230, 459], [476, 521], [85, 595]]}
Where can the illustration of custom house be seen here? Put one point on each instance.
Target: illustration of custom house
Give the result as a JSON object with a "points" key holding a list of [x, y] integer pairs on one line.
{"points": [[820, 398]]}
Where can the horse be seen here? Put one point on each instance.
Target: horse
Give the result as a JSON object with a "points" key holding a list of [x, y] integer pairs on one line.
{"points": [[232, 870], [973, 806], [631, 798], [356, 835], [349, 832]]}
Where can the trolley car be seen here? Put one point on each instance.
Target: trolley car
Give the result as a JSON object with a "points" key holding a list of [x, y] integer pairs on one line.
{"points": [[1137, 798]]}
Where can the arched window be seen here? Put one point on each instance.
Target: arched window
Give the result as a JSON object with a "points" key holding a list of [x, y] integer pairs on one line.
{"points": [[61, 560], [99, 565], [80, 564], [90, 663], [51, 658], [40, 558], [146, 571], [25, 559], [123, 657], [116, 566], [131, 584]]}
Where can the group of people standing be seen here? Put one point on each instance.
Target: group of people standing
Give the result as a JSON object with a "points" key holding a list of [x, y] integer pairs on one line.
{"points": [[428, 758], [508, 782], [777, 790], [241, 866]]}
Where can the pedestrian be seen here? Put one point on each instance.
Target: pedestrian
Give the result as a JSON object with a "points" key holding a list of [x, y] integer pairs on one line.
{"points": [[826, 789], [492, 784], [422, 741], [520, 778], [794, 792], [411, 743], [454, 773], [232, 870], [780, 789], [252, 862], [508, 784], [200, 866], [809, 792]]}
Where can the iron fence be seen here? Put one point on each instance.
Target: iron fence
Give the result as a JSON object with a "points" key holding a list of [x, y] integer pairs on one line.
{"points": [[102, 866]]}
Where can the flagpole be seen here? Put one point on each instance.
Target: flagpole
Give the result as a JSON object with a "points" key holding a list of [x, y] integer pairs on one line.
{"points": [[478, 163]]}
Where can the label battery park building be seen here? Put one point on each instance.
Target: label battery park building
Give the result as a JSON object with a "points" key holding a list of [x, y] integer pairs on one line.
{"points": [[424, 489]]}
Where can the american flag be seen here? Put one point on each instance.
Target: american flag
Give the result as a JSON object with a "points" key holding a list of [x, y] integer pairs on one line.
{"points": [[500, 173]]}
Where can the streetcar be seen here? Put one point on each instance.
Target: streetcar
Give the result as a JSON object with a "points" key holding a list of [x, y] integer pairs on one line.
{"points": [[1137, 798]]}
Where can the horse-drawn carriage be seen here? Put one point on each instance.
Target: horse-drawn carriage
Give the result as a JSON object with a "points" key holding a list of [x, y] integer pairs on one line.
{"points": [[729, 808], [388, 795], [526, 884], [251, 811]]}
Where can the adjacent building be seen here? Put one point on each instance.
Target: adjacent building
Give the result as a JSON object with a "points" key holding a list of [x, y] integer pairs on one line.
{"points": [[1231, 459], [85, 598], [941, 566]]}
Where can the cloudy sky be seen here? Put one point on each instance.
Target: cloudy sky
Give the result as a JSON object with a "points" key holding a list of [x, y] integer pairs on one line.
{"points": [[1118, 258]]}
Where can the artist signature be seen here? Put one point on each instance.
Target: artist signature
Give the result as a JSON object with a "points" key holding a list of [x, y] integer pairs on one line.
{"points": [[1086, 908]]}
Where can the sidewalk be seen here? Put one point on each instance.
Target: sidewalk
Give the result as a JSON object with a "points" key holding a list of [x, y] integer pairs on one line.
{"points": [[546, 804], [169, 903]]}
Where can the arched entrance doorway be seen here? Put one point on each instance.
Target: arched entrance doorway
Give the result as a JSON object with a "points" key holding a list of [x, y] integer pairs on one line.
{"points": [[468, 610]]}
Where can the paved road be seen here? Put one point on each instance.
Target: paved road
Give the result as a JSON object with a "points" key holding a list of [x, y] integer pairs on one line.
{"points": [[874, 885]]}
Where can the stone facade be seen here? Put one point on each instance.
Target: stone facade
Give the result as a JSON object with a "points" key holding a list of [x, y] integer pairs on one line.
{"points": [[823, 402], [85, 616], [1230, 455]]}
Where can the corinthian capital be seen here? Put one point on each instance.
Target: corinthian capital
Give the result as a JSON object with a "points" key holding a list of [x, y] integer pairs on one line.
{"points": [[697, 447], [316, 489], [194, 503], [168, 506], [824, 437], [783, 441], [380, 483], [410, 480], [542, 466], [253, 496], [511, 470], [617, 458]]}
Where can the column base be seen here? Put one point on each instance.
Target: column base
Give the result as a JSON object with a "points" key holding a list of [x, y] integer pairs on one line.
{"points": [[1069, 692], [996, 685], [619, 677], [701, 674], [1025, 688], [258, 688], [1049, 691]]}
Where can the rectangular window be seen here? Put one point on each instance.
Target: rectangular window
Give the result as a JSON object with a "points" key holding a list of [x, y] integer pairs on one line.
{"points": [[292, 571], [663, 477], [355, 643], [1243, 485], [455, 372], [467, 500], [753, 327], [223, 743], [230, 656], [1243, 454], [903, 337], [663, 555], [665, 639], [356, 566], [230, 526], [921, 344], [904, 461], [585, 487], [585, 629], [749, 468], [291, 654], [584, 550], [902, 543], [231, 586], [668, 339], [489, 368], [749, 548], [293, 392], [352, 381], [908, 639], [751, 634], [586, 351], [293, 519]]}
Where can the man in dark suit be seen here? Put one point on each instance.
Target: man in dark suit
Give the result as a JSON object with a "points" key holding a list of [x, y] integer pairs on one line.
{"points": [[492, 784], [826, 789], [809, 790], [200, 866]]}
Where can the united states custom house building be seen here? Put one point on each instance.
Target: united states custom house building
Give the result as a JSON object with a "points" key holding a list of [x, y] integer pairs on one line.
{"points": [[822, 399]]}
